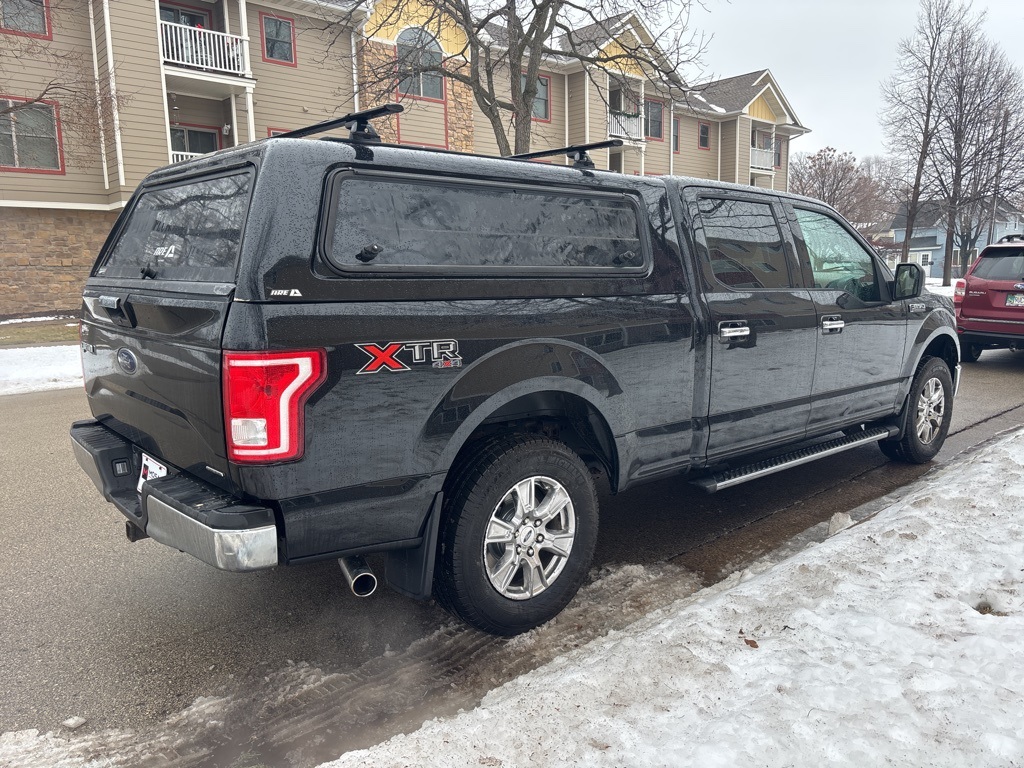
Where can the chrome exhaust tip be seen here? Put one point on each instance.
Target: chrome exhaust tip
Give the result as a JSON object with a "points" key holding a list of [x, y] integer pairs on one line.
{"points": [[360, 578]]}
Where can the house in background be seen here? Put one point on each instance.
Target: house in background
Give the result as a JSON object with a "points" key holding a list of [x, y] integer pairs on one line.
{"points": [[178, 79], [928, 244]]}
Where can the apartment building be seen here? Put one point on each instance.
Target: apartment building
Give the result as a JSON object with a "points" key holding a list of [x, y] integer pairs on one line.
{"points": [[142, 84]]}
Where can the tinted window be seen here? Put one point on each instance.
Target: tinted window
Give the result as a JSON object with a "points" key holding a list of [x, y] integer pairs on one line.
{"points": [[744, 244], [837, 260], [384, 223], [190, 231], [1001, 265]]}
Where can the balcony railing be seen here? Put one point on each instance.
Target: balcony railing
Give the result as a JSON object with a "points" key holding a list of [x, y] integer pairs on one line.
{"points": [[202, 49], [181, 157], [629, 126], [762, 158]]}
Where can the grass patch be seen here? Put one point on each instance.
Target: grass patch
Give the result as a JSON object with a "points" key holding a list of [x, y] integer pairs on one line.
{"points": [[62, 331]]}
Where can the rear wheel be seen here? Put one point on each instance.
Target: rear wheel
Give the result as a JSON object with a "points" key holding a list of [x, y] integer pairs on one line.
{"points": [[969, 353], [931, 409], [518, 534]]}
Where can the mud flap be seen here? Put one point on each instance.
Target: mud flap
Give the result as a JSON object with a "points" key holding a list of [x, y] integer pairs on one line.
{"points": [[410, 572]]}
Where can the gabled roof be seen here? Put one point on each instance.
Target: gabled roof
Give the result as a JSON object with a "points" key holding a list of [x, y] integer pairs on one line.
{"points": [[734, 95], [593, 37]]}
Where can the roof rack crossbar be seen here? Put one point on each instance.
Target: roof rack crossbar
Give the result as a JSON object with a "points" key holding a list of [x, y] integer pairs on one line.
{"points": [[577, 153], [358, 124]]}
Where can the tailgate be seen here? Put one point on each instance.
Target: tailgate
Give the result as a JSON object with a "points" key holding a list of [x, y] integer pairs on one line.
{"points": [[995, 288], [153, 315]]}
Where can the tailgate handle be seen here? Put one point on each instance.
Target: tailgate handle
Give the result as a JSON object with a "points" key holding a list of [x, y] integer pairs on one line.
{"points": [[119, 311]]}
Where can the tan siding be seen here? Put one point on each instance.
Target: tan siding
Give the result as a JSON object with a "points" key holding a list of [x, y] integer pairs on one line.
{"points": [[134, 34], [764, 182], [691, 159], [317, 88], [423, 122], [25, 73], [782, 174], [205, 113], [548, 134], [729, 151], [599, 120], [577, 110], [743, 149]]}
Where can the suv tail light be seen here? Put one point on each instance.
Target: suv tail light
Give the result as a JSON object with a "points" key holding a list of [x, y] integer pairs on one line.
{"points": [[959, 289], [264, 398]]}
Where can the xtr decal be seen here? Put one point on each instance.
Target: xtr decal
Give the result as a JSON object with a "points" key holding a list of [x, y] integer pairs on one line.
{"points": [[440, 353]]}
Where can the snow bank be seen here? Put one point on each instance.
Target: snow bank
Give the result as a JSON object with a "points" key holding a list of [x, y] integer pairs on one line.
{"points": [[30, 369], [897, 641]]}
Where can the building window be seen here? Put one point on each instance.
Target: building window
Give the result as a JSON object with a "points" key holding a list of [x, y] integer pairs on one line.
{"points": [[278, 39], [30, 136], [704, 135], [194, 141], [675, 134], [418, 50], [654, 119], [186, 16], [28, 17], [542, 101], [272, 132]]}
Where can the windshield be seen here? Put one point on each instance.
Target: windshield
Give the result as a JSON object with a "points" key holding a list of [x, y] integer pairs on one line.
{"points": [[186, 231], [1004, 264]]}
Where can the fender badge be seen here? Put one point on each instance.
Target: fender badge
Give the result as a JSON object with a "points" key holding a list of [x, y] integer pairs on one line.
{"points": [[440, 353], [290, 292]]}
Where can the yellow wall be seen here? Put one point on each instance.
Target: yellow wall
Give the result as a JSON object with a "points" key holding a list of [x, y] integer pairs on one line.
{"points": [[390, 17], [760, 110]]}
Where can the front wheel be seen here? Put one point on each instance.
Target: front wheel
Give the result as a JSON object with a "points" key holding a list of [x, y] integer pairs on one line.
{"points": [[517, 536], [931, 409]]}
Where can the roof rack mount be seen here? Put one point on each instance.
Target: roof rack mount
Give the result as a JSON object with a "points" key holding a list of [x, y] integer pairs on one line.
{"points": [[577, 153], [358, 124]]}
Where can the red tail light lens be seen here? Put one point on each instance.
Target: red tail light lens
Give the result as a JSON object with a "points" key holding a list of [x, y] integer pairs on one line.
{"points": [[264, 398], [959, 289]]}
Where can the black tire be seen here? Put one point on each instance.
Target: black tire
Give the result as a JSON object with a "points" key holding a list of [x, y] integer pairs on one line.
{"points": [[482, 495], [969, 353], [931, 408]]}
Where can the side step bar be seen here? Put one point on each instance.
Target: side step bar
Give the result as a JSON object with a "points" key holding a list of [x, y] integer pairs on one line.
{"points": [[758, 469]]}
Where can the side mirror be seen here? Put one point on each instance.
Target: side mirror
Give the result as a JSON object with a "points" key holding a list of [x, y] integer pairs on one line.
{"points": [[909, 281]]}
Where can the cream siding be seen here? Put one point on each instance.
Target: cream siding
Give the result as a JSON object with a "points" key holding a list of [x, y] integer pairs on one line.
{"points": [[782, 174], [577, 109], [424, 123], [742, 157], [545, 134], [691, 160], [317, 88], [729, 149], [25, 75], [598, 103]]}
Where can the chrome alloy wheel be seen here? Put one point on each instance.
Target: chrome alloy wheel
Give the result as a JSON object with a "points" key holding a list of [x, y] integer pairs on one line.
{"points": [[931, 407], [529, 537]]}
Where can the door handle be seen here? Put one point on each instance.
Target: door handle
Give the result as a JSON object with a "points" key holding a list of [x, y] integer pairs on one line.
{"points": [[832, 324], [732, 330]]}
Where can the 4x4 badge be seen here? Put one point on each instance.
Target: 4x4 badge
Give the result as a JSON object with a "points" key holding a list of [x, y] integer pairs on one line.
{"points": [[440, 353]]}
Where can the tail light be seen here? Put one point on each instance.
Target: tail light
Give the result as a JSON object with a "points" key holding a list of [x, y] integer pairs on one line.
{"points": [[959, 289], [265, 394]]}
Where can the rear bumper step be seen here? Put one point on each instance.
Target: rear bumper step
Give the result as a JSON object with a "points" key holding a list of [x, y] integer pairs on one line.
{"points": [[758, 469], [178, 510]]}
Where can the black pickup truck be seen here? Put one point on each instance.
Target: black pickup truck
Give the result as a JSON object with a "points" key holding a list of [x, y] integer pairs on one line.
{"points": [[302, 349]]}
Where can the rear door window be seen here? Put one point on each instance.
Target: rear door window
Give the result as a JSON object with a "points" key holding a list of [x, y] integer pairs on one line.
{"points": [[1003, 264], [418, 226], [745, 247], [185, 231]]}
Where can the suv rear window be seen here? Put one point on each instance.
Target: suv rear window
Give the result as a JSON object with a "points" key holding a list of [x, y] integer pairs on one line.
{"points": [[384, 223], [1003, 264], [185, 231]]}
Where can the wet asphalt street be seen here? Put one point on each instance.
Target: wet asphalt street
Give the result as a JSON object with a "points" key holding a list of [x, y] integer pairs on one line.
{"points": [[124, 635]]}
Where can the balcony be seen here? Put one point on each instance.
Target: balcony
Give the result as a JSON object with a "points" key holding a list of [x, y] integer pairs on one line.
{"points": [[181, 157], [626, 126], [762, 158], [202, 49]]}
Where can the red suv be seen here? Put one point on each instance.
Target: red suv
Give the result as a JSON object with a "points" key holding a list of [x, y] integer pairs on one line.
{"points": [[989, 300]]}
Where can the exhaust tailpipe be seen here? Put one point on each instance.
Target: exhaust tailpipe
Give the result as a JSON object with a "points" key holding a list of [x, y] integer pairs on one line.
{"points": [[357, 573]]}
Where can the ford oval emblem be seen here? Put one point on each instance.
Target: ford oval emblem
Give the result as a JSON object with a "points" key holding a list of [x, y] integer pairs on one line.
{"points": [[127, 360]]}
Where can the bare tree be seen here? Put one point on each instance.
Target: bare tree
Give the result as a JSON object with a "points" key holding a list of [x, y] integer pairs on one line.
{"points": [[859, 191], [39, 70], [911, 94], [501, 46]]}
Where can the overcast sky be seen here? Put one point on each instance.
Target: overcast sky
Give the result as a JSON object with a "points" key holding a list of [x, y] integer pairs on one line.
{"points": [[829, 56]]}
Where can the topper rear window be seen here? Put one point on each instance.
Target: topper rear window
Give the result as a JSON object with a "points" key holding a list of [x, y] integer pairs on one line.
{"points": [[385, 223], [189, 230]]}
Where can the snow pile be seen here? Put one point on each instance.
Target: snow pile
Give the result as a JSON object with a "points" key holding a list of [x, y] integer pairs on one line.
{"points": [[897, 641], [31, 369]]}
